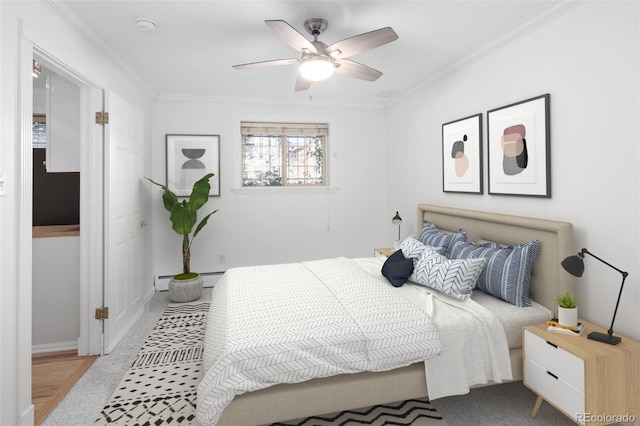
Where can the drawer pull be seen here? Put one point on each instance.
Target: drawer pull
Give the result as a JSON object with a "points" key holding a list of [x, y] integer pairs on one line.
{"points": [[552, 375], [551, 344]]}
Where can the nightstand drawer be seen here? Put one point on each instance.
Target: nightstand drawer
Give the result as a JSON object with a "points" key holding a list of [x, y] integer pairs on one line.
{"points": [[553, 388], [556, 360]]}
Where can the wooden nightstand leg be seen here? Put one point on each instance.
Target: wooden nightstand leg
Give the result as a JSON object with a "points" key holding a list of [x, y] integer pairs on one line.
{"points": [[536, 407]]}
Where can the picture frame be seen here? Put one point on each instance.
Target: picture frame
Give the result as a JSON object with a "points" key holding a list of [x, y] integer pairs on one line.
{"points": [[518, 148], [189, 158], [462, 155]]}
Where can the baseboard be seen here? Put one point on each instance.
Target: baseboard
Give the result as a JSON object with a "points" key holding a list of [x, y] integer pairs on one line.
{"points": [[27, 418], [161, 282], [54, 347]]}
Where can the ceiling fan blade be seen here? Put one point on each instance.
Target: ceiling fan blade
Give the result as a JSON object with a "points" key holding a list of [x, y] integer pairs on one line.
{"points": [[302, 83], [291, 36], [361, 43], [356, 70], [264, 64]]}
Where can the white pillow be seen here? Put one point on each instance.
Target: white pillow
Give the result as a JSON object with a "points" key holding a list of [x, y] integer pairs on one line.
{"points": [[454, 277]]}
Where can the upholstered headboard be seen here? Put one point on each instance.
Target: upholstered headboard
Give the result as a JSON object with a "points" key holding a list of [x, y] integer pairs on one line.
{"points": [[548, 279]]}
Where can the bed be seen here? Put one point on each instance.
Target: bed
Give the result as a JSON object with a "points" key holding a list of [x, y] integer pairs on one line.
{"points": [[343, 391]]}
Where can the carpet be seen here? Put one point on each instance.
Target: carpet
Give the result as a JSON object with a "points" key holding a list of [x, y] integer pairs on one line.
{"points": [[160, 386]]}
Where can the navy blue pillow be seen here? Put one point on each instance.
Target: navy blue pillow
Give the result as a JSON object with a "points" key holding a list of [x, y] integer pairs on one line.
{"points": [[397, 269]]}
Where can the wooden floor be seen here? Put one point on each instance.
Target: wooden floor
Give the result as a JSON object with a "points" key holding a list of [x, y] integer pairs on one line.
{"points": [[53, 374]]}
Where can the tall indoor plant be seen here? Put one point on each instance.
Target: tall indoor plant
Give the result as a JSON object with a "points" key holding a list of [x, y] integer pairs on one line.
{"points": [[183, 215]]}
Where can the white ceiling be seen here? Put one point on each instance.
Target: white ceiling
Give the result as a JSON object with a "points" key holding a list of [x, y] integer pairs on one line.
{"points": [[192, 51]]}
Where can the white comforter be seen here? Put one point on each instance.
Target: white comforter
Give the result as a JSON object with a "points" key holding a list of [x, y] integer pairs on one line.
{"points": [[294, 322], [475, 344]]}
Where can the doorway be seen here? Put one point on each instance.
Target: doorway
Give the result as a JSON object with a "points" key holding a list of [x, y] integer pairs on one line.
{"points": [[112, 197], [56, 212], [88, 160]]}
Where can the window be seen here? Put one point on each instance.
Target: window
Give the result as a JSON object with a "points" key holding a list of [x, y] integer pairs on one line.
{"points": [[283, 154], [39, 131]]}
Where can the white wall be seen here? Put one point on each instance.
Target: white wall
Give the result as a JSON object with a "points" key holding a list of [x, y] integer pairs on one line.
{"points": [[588, 61], [55, 283], [36, 23], [257, 228]]}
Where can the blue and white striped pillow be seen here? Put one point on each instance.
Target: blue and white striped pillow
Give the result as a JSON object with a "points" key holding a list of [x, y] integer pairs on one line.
{"points": [[454, 277], [507, 274], [432, 236]]}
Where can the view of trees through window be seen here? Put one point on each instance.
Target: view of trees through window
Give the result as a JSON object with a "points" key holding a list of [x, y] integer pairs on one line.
{"points": [[283, 154]]}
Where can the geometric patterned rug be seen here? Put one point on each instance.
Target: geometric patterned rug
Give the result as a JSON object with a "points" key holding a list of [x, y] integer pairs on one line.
{"points": [[160, 386], [411, 412]]}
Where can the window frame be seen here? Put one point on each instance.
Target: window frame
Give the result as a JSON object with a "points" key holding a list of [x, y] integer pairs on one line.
{"points": [[282, 130]]}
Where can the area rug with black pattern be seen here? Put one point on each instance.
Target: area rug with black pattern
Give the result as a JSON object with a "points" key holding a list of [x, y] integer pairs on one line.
{"points": [[160, 386]]}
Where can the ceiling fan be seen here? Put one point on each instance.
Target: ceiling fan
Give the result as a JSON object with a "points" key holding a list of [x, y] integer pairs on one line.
{"points": [[319, 61]]}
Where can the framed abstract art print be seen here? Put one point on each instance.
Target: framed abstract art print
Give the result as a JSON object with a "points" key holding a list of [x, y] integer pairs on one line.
{"points": [[519, 148], [462, 155], [189, 158]]}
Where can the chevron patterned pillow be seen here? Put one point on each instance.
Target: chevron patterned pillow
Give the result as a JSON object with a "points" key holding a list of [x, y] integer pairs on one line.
{"points": [[454, 277], [412, 248]]}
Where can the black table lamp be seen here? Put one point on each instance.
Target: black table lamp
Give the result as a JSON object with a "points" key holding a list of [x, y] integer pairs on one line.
{"points": [[397, 220], [575, 266]]}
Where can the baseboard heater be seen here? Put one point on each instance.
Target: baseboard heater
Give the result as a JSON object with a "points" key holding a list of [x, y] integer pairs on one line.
{"points": [[161, 282]]}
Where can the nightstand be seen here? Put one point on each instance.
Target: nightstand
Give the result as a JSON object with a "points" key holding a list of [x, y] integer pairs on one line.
{"points": [[385, 251], [591, 382]]}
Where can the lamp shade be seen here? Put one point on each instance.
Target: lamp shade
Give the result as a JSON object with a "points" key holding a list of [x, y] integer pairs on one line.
{"points": [[574, 264], [316, 68], [397, 220]]}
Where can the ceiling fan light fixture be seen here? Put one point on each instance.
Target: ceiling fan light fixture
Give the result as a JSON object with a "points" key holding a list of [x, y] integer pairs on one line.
{"points": [[316, 68]]}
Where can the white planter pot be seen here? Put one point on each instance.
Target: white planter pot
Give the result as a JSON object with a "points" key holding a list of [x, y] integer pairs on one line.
{"points": [[568, 316], [185, 290]]}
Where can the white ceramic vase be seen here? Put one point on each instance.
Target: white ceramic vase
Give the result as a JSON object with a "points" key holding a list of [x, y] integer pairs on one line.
{"points": [[568, 316]]}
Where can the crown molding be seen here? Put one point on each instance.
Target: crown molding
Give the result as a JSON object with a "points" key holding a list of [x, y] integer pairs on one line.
{"points": [[69, 17], [542, 17], [176, 98]]}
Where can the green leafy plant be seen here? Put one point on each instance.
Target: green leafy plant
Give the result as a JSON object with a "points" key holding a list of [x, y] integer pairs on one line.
{"points": [[184, 215], [566, 301]]}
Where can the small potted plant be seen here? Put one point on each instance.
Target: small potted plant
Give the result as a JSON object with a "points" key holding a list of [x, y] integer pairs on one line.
{"points": [[187, 286], [567, 310]]}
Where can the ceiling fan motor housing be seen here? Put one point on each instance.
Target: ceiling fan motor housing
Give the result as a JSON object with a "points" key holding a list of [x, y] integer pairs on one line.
{"points": [[316, 26]]}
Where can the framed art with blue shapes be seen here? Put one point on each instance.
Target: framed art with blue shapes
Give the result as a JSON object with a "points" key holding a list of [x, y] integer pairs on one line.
{"points": [[462, 155], [519, 148]]}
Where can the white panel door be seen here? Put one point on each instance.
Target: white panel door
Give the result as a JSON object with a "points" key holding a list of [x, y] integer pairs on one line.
{"points": [[123, 286]]}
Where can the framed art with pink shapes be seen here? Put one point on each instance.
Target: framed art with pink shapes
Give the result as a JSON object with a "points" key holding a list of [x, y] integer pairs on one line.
{"points": [[462, 155], [518, 148]]}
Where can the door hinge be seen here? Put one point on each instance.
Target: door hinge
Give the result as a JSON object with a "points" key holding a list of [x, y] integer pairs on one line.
{"points": [[102, 313], [102, 117]]}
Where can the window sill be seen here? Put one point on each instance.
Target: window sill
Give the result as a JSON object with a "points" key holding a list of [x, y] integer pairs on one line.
{"points": [[286, 190]]}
